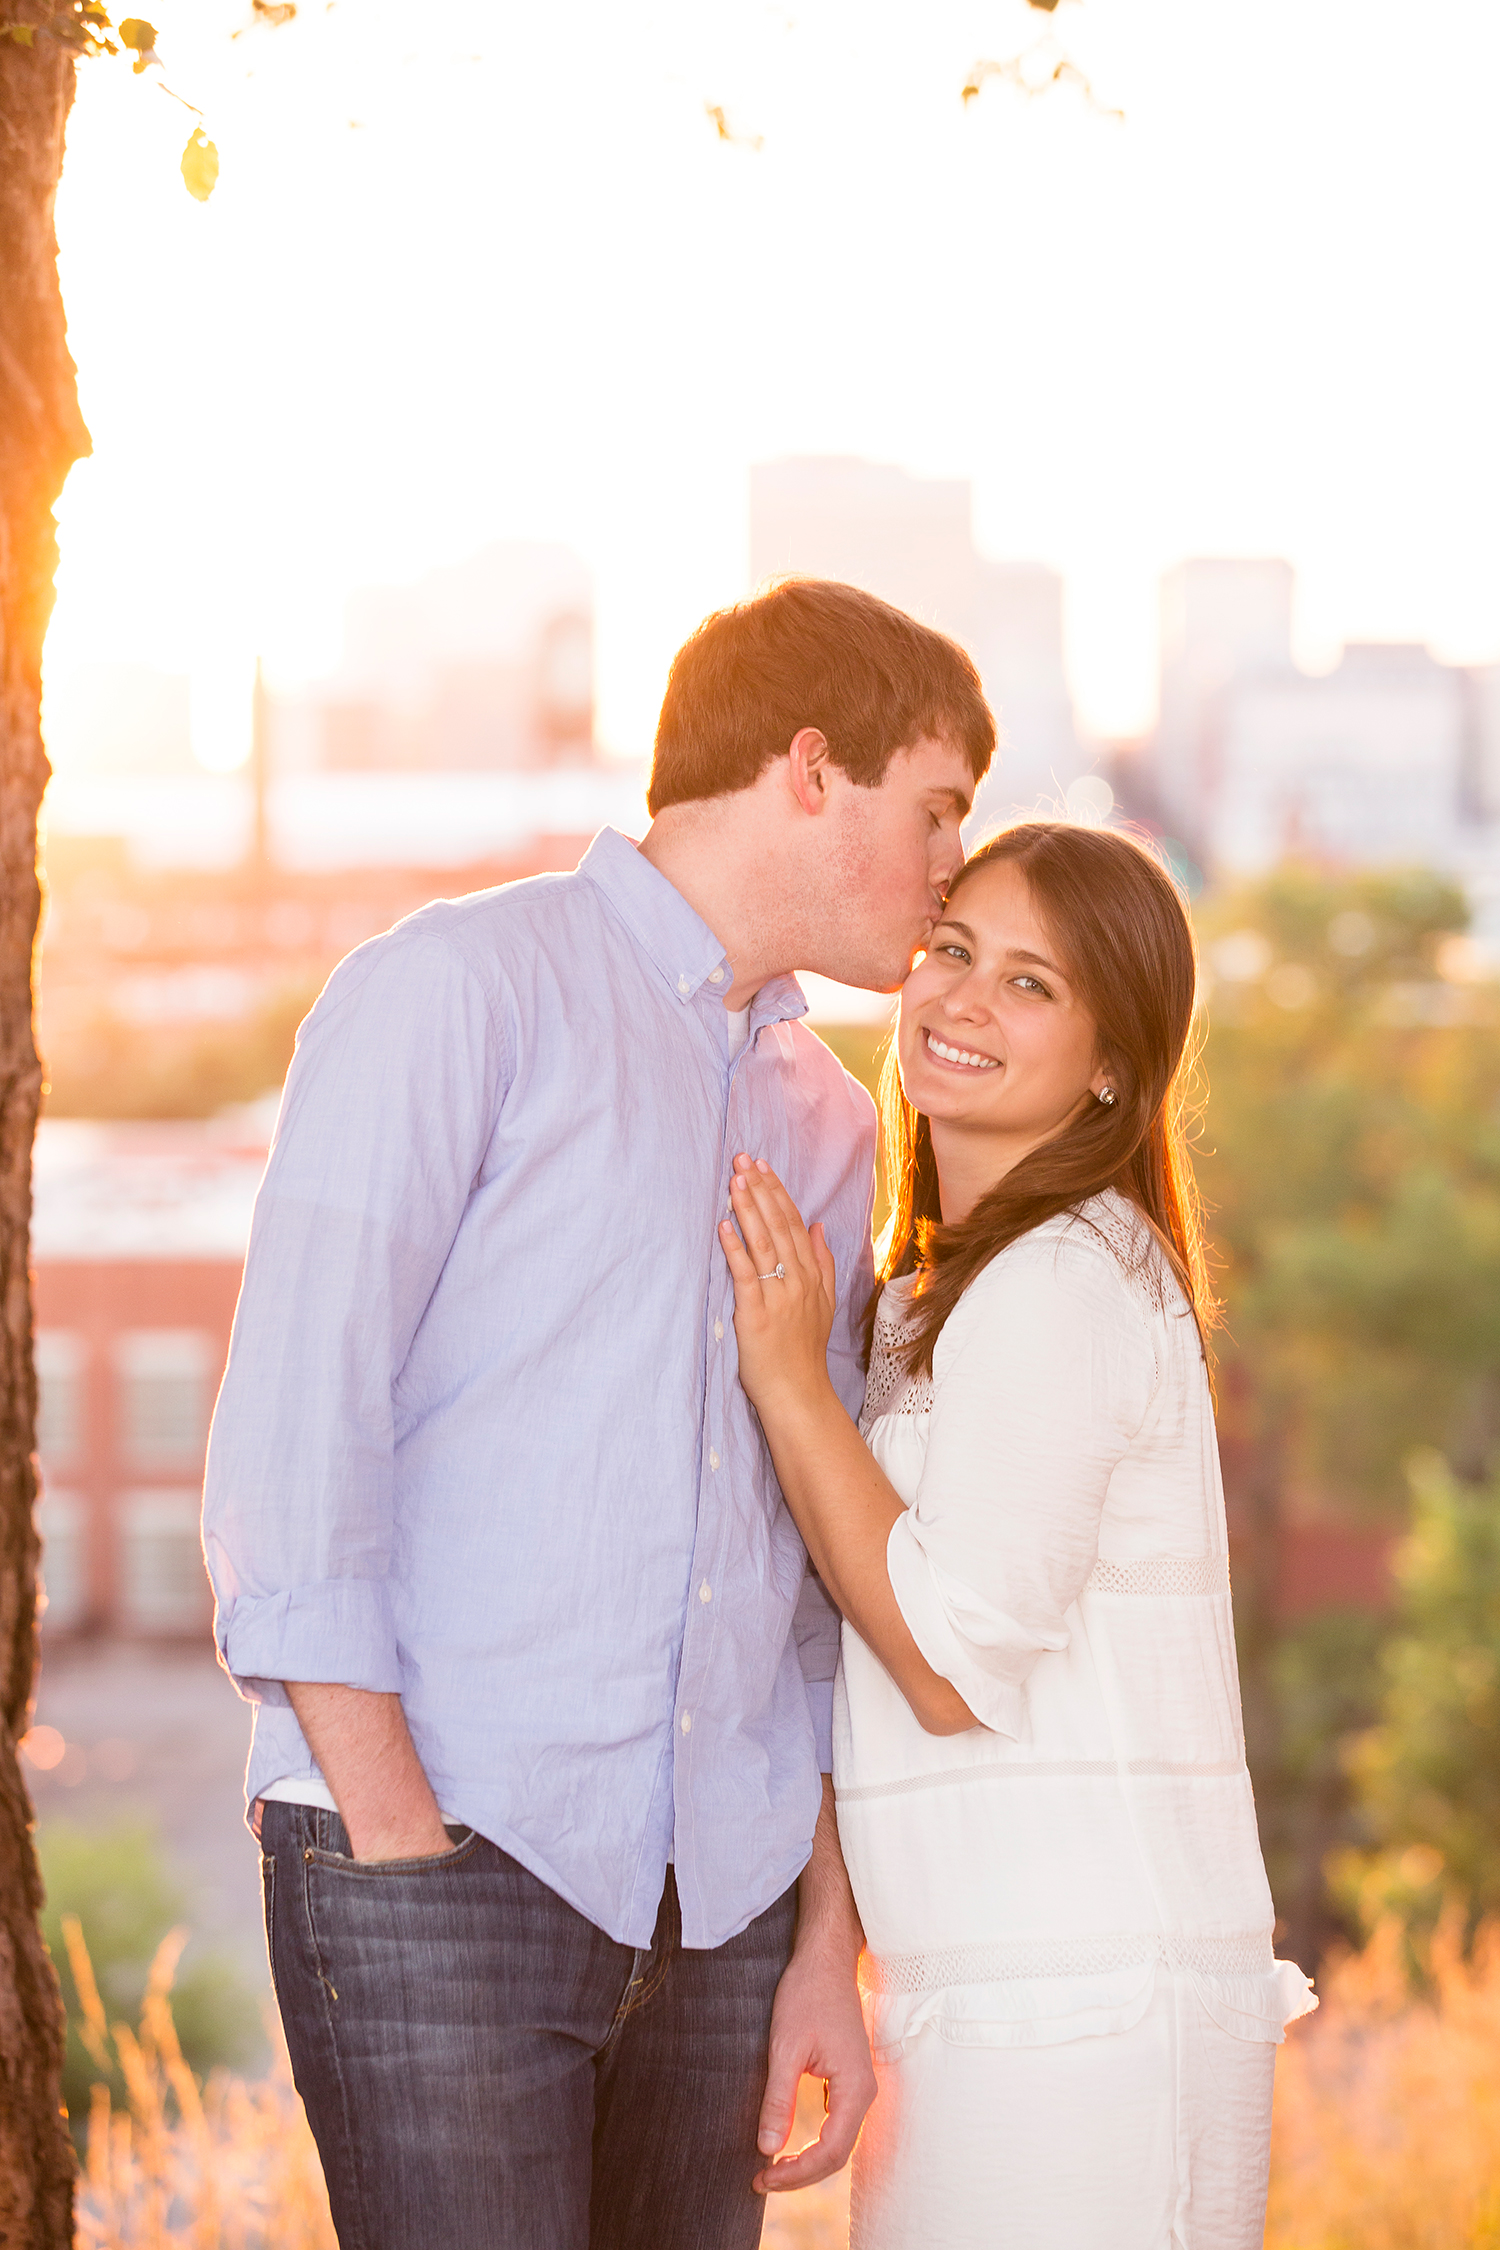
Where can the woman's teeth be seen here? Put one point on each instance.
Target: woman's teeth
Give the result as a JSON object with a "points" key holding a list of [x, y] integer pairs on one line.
{"points": [[959, 1054]]}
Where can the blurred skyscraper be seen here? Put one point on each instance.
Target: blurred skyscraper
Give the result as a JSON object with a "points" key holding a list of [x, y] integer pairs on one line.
{"points": [[911, 540], [1223, 623], [1392, 758]]}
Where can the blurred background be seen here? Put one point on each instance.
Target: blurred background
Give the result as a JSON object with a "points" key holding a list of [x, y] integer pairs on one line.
{"points": [[1152, 348]]}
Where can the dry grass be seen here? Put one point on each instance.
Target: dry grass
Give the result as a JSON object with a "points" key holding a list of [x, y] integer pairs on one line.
{"points": [[1387, 2126], [226, 2166], [1388, 2109]]}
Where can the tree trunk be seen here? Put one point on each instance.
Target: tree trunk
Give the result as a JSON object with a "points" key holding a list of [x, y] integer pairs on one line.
{"points": [[41, 436]]}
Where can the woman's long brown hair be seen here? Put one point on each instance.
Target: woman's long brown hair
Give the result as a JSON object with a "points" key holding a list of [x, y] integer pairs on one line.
{"points": [[1127, 945]]}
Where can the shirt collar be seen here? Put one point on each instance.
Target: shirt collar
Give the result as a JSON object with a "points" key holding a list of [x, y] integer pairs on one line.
{"points": [[679, 943]]}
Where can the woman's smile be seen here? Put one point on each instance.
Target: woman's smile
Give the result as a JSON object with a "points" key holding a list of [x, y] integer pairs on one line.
{"points": [[962, 1057]]}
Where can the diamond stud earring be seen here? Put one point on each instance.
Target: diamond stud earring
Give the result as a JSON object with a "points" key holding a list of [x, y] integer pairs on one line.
{"points": [[1107, 1097]]}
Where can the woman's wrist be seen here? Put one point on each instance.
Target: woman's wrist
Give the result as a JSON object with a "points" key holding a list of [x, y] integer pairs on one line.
{"points": [[797, 1406]]}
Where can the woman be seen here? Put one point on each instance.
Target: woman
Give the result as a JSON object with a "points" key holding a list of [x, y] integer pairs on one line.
{"points": [[1038, 1753]]}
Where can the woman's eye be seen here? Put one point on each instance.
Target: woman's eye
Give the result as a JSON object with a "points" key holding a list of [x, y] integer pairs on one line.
{"points": [[1033, 984], [958, 952]]}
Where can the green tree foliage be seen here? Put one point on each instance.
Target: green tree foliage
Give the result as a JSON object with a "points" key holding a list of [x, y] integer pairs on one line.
{"points": [[1428, 1774], [1321, 1688], [113, 1882], [1351, 1161], [1350, 1158]]}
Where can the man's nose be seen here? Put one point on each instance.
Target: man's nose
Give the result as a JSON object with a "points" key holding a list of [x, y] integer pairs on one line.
{"points": [[947, 864]]}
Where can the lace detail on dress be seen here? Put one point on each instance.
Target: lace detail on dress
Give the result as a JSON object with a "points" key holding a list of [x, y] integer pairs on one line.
{"points": [[1161, 1574], [889, 1389], [1132, 1245], [1231, 1953], [1124, 1233]]}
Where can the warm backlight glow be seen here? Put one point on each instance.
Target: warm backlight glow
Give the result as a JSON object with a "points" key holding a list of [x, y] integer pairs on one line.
{"points": [[501, 274]]}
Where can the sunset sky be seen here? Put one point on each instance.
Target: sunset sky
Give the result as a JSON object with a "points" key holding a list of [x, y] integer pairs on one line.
{"points": [[489, 271]]}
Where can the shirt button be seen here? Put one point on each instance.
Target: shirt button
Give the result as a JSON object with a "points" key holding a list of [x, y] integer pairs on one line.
{"points": [[705, 1592], [716, 976], [687, 1722], [718, 1331], [713, 1460], [684, 984]]}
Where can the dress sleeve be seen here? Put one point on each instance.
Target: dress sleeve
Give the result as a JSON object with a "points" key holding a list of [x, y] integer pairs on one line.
{"points": [[390, 1106], [1041, 1377]]}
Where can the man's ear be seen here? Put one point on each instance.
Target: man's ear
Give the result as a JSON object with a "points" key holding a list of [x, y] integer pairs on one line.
{"points": [[808, 769]]}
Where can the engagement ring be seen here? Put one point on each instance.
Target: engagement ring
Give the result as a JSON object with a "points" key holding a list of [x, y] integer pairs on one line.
{"points": [[778, 1275]]}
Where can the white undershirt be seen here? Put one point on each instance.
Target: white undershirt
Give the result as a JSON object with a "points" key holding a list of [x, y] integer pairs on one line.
{"points": [[739, 1029]]}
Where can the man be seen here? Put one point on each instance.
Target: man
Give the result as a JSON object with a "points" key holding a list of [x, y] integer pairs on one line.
{"points": [[556, 1912]]}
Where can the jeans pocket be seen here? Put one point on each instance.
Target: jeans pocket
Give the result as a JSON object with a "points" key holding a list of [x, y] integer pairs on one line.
{"points": [[268, 1899], [465, 1841]]}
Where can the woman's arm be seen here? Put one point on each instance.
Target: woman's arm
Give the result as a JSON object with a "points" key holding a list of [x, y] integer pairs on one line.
{"points": [[1045, 1373], [841, 1503]]}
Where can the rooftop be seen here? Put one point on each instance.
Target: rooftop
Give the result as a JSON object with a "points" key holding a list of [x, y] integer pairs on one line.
{"points": [[183, 1189]]}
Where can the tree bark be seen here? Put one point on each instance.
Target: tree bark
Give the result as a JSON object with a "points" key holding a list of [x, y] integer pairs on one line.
{"points": [[41, 436]]}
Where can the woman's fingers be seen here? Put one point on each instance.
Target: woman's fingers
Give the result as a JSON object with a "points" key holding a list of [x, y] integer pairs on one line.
{"points": [[773, 1193], [735, 1255], [778, 1215], [768, 1183], [779, 1200], [759, 1240], [773, 1227], [782, 1246]]}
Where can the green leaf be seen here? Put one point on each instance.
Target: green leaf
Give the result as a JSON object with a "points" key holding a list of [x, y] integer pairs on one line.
{"points": [[200, 165]]}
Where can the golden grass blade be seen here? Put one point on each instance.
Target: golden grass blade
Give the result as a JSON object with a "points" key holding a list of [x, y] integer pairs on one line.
{"points": [[92, 2030]]}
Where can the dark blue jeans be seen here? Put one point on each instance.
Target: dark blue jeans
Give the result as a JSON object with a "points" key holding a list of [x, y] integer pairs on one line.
{"points": [[483, 2069]]}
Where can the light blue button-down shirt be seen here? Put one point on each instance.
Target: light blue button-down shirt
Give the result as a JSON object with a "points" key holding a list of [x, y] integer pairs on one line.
{"points": [[481, 1440]]}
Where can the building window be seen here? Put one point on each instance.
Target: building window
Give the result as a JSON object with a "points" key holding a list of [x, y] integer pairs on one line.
{"points": [[165, 1376], [60, 1357], [60, 1521], [164, 1586]]}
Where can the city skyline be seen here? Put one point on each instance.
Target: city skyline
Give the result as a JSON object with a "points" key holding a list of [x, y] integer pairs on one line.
{"points": [[1251, 320], [460, 673]]}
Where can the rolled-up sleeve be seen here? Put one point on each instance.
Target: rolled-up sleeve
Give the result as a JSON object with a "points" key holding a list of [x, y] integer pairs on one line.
{"points": [[390, 1106], [1041, 1377]]}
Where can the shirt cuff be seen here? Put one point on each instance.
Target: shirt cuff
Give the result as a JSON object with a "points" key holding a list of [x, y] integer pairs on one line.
{"points": [[995, 1703], [339, 1630], [820, 1703]]}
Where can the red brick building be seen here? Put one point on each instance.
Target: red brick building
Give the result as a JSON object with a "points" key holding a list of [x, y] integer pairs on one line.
{"points": [[139, 1241]]}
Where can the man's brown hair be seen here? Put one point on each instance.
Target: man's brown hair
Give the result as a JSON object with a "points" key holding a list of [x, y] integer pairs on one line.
{"points": [[810, 652]]}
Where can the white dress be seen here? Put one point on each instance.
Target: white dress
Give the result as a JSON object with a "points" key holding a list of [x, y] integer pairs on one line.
{"points": [[1073, 2000]]}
